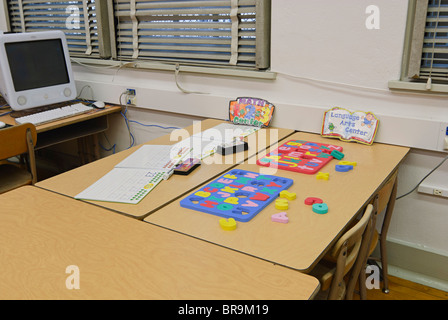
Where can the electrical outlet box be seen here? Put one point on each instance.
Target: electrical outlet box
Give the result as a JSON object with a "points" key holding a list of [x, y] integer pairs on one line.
{"points": [[434, 190], [132, 100], [131, 96]]}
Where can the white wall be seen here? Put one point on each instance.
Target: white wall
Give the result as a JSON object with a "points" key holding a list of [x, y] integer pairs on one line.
{"points": [[327, 41], [322, 40]]}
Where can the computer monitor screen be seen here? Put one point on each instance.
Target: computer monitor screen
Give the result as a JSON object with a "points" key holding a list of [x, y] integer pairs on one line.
{"points": [[36, 64], [35, 69]]}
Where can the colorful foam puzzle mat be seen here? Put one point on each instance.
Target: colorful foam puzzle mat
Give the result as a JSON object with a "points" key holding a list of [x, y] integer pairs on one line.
{"points": [[237, 194], [300, 156]]}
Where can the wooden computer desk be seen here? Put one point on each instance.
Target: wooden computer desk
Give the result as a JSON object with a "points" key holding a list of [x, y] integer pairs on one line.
{"points": [[300, 243], [43, 233], [84, 127], [73, 182]]}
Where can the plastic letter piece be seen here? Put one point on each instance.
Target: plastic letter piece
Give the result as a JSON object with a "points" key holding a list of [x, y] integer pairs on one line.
{"points": [[209, 204], [273, 184], [250, 204], [281, 204], [231, 200], [227, 225], [343, 168], [310, 201], [260, 197], [288, 195], [224, 207], [320, 208], [202, 194], [347, 163], [337, 154], [280, 217], [323, 176]]}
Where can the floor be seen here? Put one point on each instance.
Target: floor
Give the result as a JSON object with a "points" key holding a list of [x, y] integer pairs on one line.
{"points": [[406, 290]]}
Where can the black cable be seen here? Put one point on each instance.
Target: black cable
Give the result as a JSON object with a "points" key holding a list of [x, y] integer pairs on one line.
{"points": [[418, 184]]}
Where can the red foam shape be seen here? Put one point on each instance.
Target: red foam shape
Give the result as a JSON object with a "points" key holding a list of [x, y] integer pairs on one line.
{"points": [[260, 197], [311, 200]]}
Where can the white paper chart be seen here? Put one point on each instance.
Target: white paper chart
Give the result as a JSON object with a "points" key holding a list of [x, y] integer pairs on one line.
{"points": [[155, 157], [134, 177], [200, 149], [123, 185]]}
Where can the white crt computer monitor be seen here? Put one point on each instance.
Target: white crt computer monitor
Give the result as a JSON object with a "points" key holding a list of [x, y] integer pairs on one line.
{"points": [[35, 69]]}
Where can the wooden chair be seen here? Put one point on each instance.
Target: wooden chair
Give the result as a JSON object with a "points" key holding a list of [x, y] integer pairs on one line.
{"points": [[15, 141], [358, 274], [339, 262], [386, 201]]}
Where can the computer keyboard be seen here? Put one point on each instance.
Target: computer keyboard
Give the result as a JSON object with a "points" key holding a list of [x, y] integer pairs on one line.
{"points": [[54, 114]]}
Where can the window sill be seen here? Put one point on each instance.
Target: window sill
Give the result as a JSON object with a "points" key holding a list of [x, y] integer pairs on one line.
{"points": [[265, 75], [397, 85]]}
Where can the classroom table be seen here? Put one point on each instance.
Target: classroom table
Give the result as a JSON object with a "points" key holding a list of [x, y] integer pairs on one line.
{"points": [[73, 182], [54, 247], [300, 243]]}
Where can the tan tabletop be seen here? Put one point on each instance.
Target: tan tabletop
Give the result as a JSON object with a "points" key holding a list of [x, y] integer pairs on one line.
{"points": [[73, 182], [300, 243], [48, 240]]}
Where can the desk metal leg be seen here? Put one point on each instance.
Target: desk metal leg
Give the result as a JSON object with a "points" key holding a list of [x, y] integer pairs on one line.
{"points": [[383, 235]]}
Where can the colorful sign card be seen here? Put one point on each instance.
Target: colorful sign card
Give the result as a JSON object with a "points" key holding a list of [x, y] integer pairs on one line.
{"points": [[251, 111], [356, 126], [300, 156], [238, 194]]}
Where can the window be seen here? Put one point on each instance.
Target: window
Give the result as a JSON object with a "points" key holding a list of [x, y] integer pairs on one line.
{"points": [[76, 18], [210, 32], [425, 59], [429, 47], [232, 33], [434, 60]]}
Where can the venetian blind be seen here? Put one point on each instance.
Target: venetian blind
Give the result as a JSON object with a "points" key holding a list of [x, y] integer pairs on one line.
{"points": [[77, 19], [430, 41], [210, 32]]}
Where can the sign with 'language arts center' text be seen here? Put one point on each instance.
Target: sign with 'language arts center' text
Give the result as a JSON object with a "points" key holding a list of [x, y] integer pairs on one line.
{"points": [[356, 126]]}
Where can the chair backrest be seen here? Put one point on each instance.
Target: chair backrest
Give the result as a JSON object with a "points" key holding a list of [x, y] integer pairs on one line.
{"points": [[15, 140], [363, 254], [351, 240], [345, 252]]}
